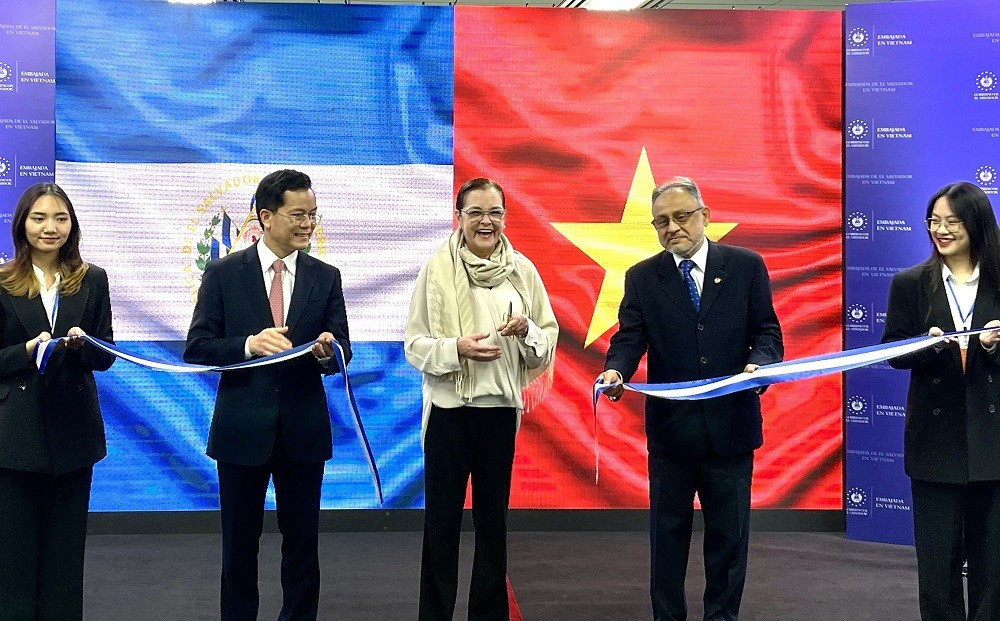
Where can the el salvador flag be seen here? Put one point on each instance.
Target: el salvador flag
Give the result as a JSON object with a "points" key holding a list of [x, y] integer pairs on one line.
{"points": [[167, 117]]}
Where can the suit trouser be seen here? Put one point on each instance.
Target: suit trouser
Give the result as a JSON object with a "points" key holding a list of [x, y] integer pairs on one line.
{"points": [[43, 533], [461, 442], [723, 486], [952, 522], [242, 490]]}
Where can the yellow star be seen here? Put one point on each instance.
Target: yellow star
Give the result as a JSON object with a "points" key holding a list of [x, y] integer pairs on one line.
{"points": [[617, 246]]}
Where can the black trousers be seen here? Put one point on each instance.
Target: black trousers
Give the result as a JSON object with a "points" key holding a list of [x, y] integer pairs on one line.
{"points": [[242, 490], [461, 442], [952, 522], [723, 486], [43, 532]]}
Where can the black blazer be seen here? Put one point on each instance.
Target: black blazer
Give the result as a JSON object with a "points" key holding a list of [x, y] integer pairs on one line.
{"points": [[736, 326], [52, 423], [232, 305], [952, 432]]}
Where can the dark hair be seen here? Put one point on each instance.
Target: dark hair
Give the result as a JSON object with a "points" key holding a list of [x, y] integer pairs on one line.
{"points": [[479, 183], [270, 194], [17, 275], [971, 205]]}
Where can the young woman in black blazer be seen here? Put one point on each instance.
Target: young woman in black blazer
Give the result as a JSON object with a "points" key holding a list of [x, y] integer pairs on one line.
{"points": [[51, 430], [952, 434]]}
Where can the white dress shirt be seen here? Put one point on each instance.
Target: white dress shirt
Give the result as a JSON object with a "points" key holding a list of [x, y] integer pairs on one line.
{"points": [[700, 258], [48, 295], [961, 299], [267, 259]]}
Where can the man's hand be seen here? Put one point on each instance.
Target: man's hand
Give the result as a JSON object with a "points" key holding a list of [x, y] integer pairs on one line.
{"points": [[517, 326], [613, 378], [324, 347], [270, 341], [470, 347], [750, 368]]}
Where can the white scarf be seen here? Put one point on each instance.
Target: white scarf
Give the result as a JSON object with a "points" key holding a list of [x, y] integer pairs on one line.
{"points": [[449, 300]]}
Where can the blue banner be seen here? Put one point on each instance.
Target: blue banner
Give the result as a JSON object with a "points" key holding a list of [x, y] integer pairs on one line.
{"points": [[27, 103], [922, 109]]}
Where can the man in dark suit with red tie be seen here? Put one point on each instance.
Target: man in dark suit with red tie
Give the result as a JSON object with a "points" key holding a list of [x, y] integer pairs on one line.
{"points": [[272, 421], [700, 310]]}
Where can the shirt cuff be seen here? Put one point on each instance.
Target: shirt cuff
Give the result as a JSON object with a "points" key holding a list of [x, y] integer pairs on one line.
{"points": [[246, 349], [535, 339]]}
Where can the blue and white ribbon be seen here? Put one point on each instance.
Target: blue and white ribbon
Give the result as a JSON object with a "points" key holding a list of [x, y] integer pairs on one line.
{"points": [[43, 352], [804, 368]]}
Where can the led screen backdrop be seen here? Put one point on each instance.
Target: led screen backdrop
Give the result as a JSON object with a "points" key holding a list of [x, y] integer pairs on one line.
{"points": [[576, 114], [922, 110], [162, 137], [27, 103]]}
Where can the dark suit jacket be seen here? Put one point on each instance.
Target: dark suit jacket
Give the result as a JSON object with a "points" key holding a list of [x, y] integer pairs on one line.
{"points": [[952, 419], [736, 326], [232, 305], [52, 423]]}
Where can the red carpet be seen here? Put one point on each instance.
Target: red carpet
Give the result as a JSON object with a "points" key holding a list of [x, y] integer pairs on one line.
{"points": [[515, 610]]}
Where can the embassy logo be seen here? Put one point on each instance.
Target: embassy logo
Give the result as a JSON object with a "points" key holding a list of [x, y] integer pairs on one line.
{"points": [[5, 176], [857, 410], [857, 501], [857, 227], [986, 87], [986, 177], [856, 134], [858, 318], [6, 78], [857, 42], [858, 130]]}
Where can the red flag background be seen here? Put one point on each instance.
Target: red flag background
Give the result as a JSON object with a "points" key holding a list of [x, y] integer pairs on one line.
{"points": [[564, 108]]}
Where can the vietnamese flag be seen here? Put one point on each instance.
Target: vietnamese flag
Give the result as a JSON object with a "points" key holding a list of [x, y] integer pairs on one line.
{"points": [[577, 114]]}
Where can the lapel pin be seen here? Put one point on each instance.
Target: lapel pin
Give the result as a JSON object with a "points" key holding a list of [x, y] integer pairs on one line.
{"points": [[718, 280]]}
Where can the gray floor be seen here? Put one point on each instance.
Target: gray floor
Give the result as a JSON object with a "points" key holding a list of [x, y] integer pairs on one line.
{"points": [[556, 576]]}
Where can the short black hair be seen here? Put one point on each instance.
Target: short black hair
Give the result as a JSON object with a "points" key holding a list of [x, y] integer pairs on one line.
{"points": [[270, 194]]}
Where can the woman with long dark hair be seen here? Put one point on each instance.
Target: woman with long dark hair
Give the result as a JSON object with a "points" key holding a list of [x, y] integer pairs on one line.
{"points": [[51, 430], [952, 438]]}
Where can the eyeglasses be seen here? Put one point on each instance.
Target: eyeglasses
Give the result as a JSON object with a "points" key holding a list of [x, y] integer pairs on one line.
{"points": [[950, 224], [680, 218], [298, 219], [495, 215]]}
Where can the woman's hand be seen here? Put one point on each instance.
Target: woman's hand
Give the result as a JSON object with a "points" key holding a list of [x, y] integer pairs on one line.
{"points": [[471, 347], [75, 335], [517, 326], [33, 343], [936, 331], [989, 340]]}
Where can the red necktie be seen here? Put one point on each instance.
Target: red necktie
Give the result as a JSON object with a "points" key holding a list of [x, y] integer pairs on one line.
{"points": [[277, 297]]}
